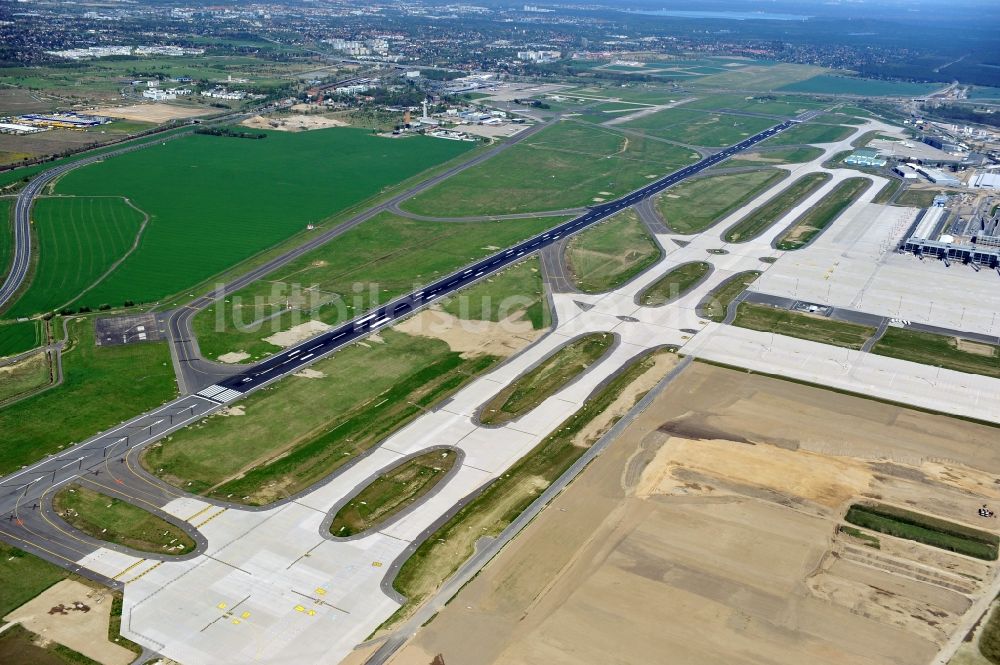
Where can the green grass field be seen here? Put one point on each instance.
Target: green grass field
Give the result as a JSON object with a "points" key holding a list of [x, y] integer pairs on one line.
{"points": [[777, 207], [18, 337], [608, 255], [948, 352], [215, 201], [792, 155], [917, 198], [808, 133], [393, 491], [888, 190], [989, 640], [514, 289], [102, 386], [924, 529], [116, 521], [700, 127], [823, 213], [537, 385], [507, 497], [566, 165], [675, 283], [385, 257], [713, 306], [24, 376], [804, 326], [278, 447], [831, 84], [6, 237], [24, 577], [79, 238], [780, 105], [694, 206]]}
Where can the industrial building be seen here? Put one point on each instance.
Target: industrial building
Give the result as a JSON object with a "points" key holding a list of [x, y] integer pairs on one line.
{"points": [[939, 177], [865, 157], [986, 180], [12, 128], [63, 120]]}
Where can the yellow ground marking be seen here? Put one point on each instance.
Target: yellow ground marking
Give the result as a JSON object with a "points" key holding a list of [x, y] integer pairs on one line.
{"points": [[151, 568], [321, 591], [210, 518], [245, 615], [299, 608], [376, 564], [203, 510], [115, 577], [222, 606], [311, 613], [236, 622]]}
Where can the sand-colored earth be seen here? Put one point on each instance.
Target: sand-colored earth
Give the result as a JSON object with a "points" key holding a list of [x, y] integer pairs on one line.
{"points": [[233, 357], [708, 533], [974, 347], [307, 373], [299, 123], [298, 333], [472, 338], [76, 616], [156, 112]]}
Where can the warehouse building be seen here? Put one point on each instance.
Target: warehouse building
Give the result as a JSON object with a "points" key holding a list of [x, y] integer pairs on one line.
{"points": [[865, 157]]}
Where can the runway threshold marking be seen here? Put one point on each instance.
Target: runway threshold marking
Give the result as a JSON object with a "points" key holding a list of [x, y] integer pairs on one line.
{"points": [[128, 568]]}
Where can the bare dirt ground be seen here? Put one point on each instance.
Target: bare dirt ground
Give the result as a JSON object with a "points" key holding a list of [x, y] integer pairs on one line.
{"points": [[156, 112], [297, 123], [708, 533], [472, 338], [74, 615], [298, 333]]}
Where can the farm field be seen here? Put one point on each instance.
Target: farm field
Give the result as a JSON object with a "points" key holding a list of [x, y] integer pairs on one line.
{"points": [[102, 386], [832, 84], [793, 155], [694, 206], [269, 447], [392, 492], [808, 133], [731, 483], [713, 307], [79, 239], [763, 217], [378, 260], [507, 497], [569, 164], [116, 521], [25, 375], [700, 127], [675, 283], [19, 337], [924, 529], [822, 214], [949, 352], [804, 326], [247, 195], [537, 385], [604, 257]]}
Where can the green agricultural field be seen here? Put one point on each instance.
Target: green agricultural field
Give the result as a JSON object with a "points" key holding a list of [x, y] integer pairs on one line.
{"points": [[700, 127], [804, 326], [808, 133], [24, 376], [917, 198], [675, 283], [116, 521], [807, 227], [777, 207], [794, 155], [508, 496], [385, 257], [566, 165], [537, 385], [102, 386], [368, 391], [924, 529], [989, 640], [713, 306], [215, 201], [831, 84], [19, 337], [695, 205], [948, 352], [514, 289], [79, 239], [393, 491], [608, 255]]}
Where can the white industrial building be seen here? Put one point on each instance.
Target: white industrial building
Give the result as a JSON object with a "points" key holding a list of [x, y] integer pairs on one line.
{"points": [[939, 177], [986, 180]]}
